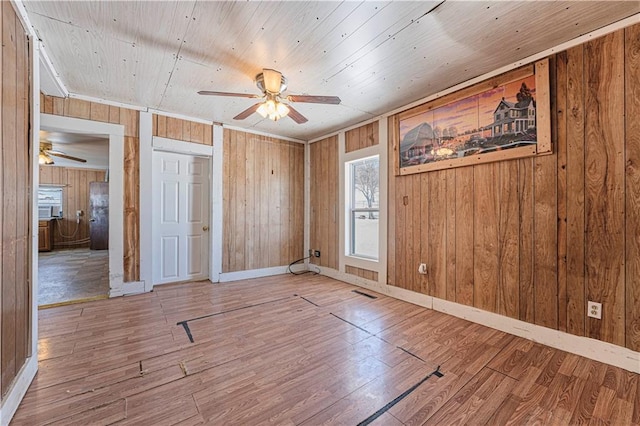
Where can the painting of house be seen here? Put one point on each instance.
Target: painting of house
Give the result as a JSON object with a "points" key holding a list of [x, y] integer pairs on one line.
{"points": [[500, 118]]}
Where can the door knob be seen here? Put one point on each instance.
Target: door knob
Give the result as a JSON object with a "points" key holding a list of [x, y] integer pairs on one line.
{"points": [[92, 220], [205, 228]]}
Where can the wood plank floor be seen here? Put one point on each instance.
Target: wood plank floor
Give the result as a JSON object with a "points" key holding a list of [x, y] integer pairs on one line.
{"points": [[303, 350]]}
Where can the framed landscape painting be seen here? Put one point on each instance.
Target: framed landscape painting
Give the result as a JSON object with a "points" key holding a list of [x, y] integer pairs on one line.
{"points": [[505, 117]]}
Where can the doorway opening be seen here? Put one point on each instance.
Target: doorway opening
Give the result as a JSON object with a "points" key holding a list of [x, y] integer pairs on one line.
{"points": [[68, 269], [73, 207]]}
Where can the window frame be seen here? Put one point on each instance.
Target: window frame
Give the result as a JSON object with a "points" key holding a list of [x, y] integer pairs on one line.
{"points": [[350, 240]]}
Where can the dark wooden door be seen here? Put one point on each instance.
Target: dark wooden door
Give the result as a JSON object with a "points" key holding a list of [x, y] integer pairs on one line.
{"points": [[99, 215]]}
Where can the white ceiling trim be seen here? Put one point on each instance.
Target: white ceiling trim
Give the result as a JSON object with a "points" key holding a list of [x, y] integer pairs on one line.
{"points": [[107, 102], [631, 20]]}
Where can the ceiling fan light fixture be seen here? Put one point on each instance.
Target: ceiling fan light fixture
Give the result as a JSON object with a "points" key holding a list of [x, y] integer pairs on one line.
{"points": [[273, 110], [44, 159]]}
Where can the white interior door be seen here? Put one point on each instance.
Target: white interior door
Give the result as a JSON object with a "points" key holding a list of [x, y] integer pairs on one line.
{"points": [[180, 217]]}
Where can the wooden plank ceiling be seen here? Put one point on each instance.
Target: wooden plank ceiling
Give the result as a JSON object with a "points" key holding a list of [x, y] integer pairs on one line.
{"points": [[377, 56]]}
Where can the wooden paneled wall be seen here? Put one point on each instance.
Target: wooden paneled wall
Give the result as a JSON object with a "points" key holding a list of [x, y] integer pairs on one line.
{"points": [[182, 130], [263, 201], [15, 209], [77, 108], [536, 238], [75, 197], [362, 137], [323, 232], [362, 273]]}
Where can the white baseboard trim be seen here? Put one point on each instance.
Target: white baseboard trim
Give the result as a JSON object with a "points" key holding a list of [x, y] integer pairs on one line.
{"points": [[18, 389], [252, 273], [597, 350], [128, 288]]}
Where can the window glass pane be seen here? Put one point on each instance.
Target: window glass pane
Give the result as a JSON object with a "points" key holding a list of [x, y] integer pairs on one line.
{"points": [[365, 234], [366, 184]]}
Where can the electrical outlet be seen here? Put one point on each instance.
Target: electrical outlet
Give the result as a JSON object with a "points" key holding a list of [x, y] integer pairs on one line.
{"points": [[594, 310], [422, 268], [78, 213], [316, 253]]}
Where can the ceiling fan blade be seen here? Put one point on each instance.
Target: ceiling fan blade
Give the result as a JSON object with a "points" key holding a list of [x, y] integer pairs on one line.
{"points": [[332, 100], [296, 116], [247, 112], [68, 157], [239, 95], [272, 80]]}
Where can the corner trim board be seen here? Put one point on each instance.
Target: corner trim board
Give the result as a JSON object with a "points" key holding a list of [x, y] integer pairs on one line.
{"points": [[9, 405]]}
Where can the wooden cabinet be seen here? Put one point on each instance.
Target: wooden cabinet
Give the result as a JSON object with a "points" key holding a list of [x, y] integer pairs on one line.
{"points": [[45, 235]]}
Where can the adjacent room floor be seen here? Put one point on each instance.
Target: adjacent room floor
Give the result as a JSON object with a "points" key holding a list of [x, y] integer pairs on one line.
{"points": [[304, 350], [72, 274]]}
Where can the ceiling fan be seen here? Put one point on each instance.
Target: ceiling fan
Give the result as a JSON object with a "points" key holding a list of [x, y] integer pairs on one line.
{"points": [[46, 151], [272, 83]]}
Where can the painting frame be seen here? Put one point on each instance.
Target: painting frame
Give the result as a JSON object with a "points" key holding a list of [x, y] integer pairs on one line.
{"points": [[537, 72]]}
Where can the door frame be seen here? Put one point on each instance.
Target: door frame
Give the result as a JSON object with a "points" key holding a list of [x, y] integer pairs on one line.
{"points": [[115, 133], [149, 143]]}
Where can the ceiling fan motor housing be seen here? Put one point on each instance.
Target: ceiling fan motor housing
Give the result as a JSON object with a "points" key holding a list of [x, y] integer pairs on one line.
{"points": [[261, 84]]}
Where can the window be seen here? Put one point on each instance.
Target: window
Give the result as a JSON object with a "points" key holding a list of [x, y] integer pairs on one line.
{"points": [[364, 206]]}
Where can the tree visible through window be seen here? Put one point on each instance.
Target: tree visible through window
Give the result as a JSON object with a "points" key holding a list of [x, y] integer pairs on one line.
{"points": [[364, 207]]}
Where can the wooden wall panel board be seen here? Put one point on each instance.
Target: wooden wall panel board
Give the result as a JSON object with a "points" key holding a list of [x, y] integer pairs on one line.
{"points": [[8, 361], [374, 133], [464, 236], [131, 207], [226, 201], [632, 190], [420, 232], [559, 128], [78, 108], [508, 240], [207, 138], [313, 195], [46, 104], [284, 211], [362, 137], [239, 172], [130, 118], [299, 198], [545, 253], [525, 204], [114, 114], [161, 126], [23, 213], [392, 201], [450, 255], [99, 112], [351, 140], [437, 234], [186, 131], [174, 128], [197, 132], [333, 211], [486, 248], [58, 106], [250, 225], [604, 186], [323, 200], [401, 231], [415, 222], [412, 242]]}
